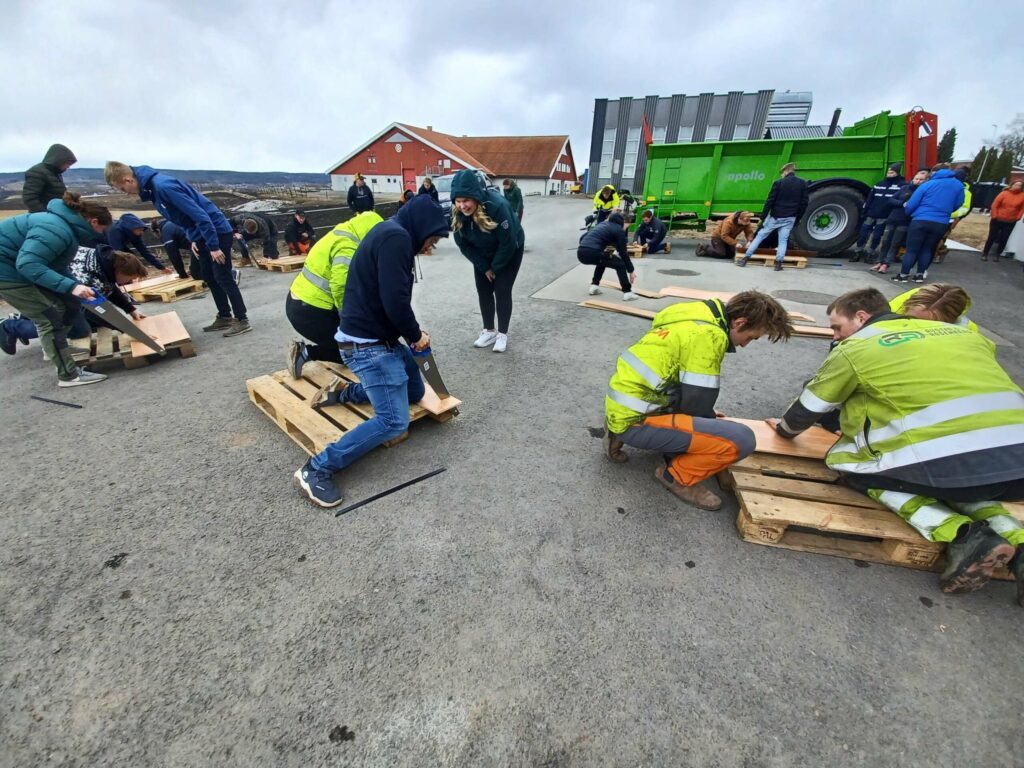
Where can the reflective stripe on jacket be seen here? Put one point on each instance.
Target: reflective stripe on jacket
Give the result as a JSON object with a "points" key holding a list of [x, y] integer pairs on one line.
{"points": [[606, 205], [321, 283], [675, 365]]}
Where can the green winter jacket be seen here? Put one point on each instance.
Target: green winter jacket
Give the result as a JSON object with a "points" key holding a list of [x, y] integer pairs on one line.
{"points": [[492, 250], [43, 181], [514, 195], [921, 402], [37, 248]]}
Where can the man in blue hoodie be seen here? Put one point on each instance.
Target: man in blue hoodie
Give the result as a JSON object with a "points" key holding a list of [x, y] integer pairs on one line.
{"points": [[930, 208], [376, 313], [126, 234], [205, 226], [874, 213]]}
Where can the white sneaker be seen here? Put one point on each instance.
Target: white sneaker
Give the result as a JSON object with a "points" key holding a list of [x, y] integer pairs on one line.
{"points": [[500, 342], [594, 291], [84, 377], [630, 296], [486, 338]]}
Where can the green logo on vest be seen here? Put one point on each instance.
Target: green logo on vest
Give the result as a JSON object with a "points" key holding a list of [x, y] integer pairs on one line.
{"points": [[892, 339]]}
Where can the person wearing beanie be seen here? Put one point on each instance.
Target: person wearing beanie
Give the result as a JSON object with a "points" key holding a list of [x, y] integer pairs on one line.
{"points": [[360, 198], [610, 233], [44, 181], [875, 211], [299, 234], [255, 226], [376, 313], [897, 222], [1007, 210], [126, 235], [491, 237], [786, 203], [930, 208]]}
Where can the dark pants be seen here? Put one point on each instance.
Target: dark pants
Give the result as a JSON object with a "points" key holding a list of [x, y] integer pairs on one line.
{"points": [[717, 249], [1012, 490], [894, 238], [174, 253], [52, 313], [498, 293], [654, 245], [316, 324], [870, 227], [922, 238], [269, 245], [601, 261], [219, 280], [998, 234]]}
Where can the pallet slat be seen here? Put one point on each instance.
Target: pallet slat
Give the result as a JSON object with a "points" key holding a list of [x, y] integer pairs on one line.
{"points": [[800, 262], [282, 264]]}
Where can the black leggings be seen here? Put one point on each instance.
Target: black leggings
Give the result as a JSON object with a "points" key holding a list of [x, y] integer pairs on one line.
{"points": [[498, 292], [600, 261], [316, 324], [998, 234]]}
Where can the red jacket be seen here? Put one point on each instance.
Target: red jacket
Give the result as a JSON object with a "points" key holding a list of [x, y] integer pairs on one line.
{"points": [[1008, 206]]}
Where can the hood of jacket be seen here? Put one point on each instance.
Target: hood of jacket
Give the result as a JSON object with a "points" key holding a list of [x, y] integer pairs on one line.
{"points": [[944, 173], [84, 233], [144, 175], [616, 218], [58, 155], [711, 311], [467, 184], [422, 218], [131, 221]]}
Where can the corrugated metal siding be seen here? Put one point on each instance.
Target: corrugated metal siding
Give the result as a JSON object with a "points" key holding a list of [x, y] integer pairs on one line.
{"points": [[700, 123], [732, 108], [764, 103], [650, 107], [625, 104], [675, 116]]}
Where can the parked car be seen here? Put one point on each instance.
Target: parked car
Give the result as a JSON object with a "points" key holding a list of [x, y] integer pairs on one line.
{"points": [[444, 188]]}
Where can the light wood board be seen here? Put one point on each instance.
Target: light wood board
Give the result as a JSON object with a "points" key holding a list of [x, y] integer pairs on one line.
{"points": [[166, 328], [811, 444], [648, 314]]}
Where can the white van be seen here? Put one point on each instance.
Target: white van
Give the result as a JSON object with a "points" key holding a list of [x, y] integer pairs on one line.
{"points": [[444, 188]]}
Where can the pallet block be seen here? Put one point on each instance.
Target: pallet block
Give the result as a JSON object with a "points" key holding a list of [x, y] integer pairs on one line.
{"points": [[797, 503], [107, 346], [166, 291], [800, 262], [286, 401], [282, 264]]}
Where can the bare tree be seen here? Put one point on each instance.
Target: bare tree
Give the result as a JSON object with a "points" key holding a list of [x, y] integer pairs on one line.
{"points": [[1013, 140]]}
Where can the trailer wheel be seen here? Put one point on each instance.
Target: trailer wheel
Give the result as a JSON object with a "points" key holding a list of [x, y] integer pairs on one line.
{"points": [[831, 220]]}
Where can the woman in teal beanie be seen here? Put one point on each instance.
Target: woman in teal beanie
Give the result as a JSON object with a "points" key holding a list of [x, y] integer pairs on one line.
{"points": [[491, 237]]}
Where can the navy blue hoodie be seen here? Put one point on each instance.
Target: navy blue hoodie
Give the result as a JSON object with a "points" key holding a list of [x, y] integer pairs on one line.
{"points": [[878, 204], [121, 237], [608, 232], [378, 294], [180, 203]]}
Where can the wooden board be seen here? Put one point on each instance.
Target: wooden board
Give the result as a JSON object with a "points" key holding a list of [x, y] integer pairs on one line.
{"points": [[812, 444], [286, 402], [106, 346], [151, 282], [795, 252], [282, 264], [674, 291], [638, 291], [168, 291], [168, 330], [800, 262], [796, 503]]}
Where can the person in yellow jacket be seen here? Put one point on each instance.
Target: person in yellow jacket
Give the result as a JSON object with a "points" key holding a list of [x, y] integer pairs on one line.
{"points": [[939, 301], [313, 306], [662, 395], [605, 201]]}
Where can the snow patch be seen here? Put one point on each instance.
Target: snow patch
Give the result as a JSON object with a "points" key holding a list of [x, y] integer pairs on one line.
{"points": [[260, 206]]}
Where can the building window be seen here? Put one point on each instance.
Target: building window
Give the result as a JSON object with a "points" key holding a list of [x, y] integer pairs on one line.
{"points": [[447, 163], [607, 150], [685, 132], [632, 148], [742, 131], [659, 135], [713, 132]]}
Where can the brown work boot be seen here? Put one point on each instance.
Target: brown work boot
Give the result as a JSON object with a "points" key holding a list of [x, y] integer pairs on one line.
{"points": [[613, 447], [971, 558], [695, 495], [1017, 569]]}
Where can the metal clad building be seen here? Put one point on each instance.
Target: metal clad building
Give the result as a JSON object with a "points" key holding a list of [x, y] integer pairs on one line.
{"points": [[617, 154]]}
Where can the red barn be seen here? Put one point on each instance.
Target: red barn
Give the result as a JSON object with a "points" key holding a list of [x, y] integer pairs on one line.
{"points": [[402, 155]]}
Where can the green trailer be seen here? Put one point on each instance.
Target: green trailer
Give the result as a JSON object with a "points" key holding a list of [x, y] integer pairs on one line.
{"points": [[688, 184]]}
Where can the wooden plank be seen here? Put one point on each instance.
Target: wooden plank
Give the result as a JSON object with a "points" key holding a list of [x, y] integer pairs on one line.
{"points": [[152, 282], [104, 343], [811, 444], [301, 423], [792, 488], [638, 291], [282, 264], [794, 261], [696, 294], [786, 466], [166, 328], [624, 309], [813, 331], [795, 252]]}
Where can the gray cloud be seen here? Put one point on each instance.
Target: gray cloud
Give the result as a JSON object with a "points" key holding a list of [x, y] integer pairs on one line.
{"points": [[268, 86]]}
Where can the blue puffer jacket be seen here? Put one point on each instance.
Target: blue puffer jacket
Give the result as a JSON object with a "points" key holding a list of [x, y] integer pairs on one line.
{"points": [[937, 198], [180, 203], [38, 247]]}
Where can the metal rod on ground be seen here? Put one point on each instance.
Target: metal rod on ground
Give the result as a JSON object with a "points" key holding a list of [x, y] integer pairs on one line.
{"points": [[55, 402], [389, 491]]}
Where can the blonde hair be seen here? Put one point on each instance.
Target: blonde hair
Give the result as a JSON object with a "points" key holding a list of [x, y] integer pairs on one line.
{"points": [[480, 218], [115, 172]]}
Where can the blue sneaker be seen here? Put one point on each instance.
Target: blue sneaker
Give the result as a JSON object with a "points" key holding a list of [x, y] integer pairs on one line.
{"points": [[298, 356], [319, 485]]}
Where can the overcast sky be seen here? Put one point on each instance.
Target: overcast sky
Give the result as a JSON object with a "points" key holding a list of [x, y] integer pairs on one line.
{"points": [[294, 86]]}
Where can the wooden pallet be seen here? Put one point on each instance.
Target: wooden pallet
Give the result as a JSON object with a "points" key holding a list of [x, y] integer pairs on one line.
{"points": [[800, 262], [106, 346], [286, 401], [167, 290], [282, 264], [797, 503]]}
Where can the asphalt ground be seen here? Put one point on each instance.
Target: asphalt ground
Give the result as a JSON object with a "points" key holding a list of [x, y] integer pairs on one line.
{"points": [[168, 598]]}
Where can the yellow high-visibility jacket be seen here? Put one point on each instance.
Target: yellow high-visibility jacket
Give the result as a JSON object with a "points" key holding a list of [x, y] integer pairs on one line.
{"points": [[321, 283], [606, 205]]}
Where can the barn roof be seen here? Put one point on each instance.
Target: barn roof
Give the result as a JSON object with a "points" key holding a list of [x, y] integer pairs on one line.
{"points": [[519, 156]]}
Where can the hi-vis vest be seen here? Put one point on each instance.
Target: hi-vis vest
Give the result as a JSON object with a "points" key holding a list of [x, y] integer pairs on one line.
{"points": [[897, 305], [923, 402], [606, 205], [682, 351], [322, 280]]}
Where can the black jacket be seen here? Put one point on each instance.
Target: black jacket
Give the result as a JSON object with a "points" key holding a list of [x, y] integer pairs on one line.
{"points": [[608, 232], [432, 192], [43, 181], [878, 204], [656, 230], [360, 198], [897, 213], [788, 197], [294, 231], [378, 294]]}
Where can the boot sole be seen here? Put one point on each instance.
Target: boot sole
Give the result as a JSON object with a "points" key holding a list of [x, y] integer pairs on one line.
{"points": [[309, 492], [617, 456], [293, 353], [239, 332], [977, 574], [671, 488], [65, 384]]}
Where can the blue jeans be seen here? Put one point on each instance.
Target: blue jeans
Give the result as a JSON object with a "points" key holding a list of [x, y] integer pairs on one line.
{"points": [[385, 382], [771, 224], [922, 238], [356, 392]]}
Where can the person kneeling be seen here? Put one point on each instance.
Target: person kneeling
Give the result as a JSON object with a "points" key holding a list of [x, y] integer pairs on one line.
{"points": [[662, 395], [726, 238], [651, 234]]}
